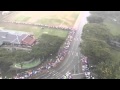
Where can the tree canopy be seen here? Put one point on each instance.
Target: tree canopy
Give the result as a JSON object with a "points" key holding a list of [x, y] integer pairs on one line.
{"points": [[95, 19], [98, 31], [95, 45], [96, 39]]}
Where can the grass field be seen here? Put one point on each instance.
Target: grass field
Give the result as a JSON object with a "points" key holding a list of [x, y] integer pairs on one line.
{"points": [[114, 27], [37, 31], [66, 18], [27, 65], [22, 18]]}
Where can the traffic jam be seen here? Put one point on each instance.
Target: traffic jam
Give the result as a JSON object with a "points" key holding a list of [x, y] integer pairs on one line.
{"points": [[85, 68]]}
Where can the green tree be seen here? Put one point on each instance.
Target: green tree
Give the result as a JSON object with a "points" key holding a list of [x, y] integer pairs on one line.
{"points": [[98, 31], [95, 19], [106, 70], [95, 50]]}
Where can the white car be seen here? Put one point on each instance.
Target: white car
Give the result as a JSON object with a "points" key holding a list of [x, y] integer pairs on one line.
{"points": [[88, 77], [87, 73], [64, 77], [93, 77], [49, 67], [67, 74], [84, 66]]}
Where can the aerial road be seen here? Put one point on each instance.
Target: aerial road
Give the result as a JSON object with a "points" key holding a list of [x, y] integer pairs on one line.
{"points": [[73, 56]]}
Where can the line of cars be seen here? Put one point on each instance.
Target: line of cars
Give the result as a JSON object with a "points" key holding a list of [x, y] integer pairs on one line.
{"points": [[85, 68]]}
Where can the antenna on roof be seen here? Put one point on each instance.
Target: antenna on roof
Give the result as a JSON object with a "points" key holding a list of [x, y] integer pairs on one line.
{"points": [[17, 38]]}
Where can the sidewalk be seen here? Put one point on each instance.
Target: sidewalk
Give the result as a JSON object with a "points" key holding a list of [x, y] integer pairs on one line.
{"points": [[76, 25]]}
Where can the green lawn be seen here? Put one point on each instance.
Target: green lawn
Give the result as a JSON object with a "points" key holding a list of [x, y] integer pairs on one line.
{"points": [[49, 21], [22, 18], [27, 65], [114, 27], [59, 33], [56, 21], [37, 31]]}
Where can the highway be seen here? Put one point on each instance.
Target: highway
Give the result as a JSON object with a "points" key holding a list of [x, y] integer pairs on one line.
{"points": [[73, 56]]}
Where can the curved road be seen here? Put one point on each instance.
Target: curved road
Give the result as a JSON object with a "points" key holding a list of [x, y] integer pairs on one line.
{"points": [[73, 56]]}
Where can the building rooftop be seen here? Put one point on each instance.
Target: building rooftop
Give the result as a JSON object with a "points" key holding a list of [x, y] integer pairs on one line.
{"points": [[15, 37], [12, 38], [29, 40]]}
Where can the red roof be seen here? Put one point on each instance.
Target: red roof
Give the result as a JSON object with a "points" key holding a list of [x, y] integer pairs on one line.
{"points": [[29, 40]]}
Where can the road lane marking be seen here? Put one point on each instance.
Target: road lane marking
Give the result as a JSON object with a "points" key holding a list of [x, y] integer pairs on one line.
{"points": [[74, 69], [72, 53], [58, 69], [63, 64], [67, 66], [77, 74], [57, 74], [76, 53], [78, 67]]}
